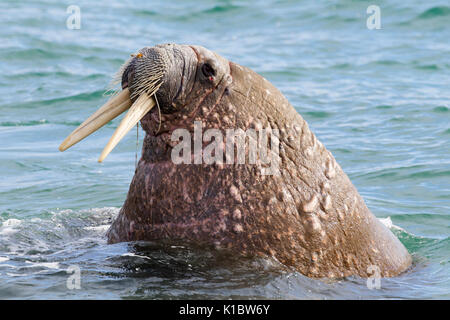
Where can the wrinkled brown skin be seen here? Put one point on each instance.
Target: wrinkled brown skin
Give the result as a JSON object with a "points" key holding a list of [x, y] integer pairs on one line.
{"points": [[310, 217]]}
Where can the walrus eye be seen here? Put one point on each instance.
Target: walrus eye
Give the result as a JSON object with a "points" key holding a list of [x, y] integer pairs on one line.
{"points": [[208, 71]]}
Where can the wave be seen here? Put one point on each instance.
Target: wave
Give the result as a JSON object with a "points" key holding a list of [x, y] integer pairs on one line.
{"points": [[145, 13], [404, 173], [31, 54], [61, 223], [221, 9], [318, 114], [85, 96], [23, 123], [54, 74], [55, 241], [440, 11], [441, 109], [420, 246]]}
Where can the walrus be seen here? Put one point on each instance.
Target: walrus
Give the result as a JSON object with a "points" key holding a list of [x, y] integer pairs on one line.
{"points": [[308, 215]]}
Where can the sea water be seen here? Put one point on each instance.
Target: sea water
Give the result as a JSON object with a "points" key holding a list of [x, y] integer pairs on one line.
{"points": [[377, 96]]}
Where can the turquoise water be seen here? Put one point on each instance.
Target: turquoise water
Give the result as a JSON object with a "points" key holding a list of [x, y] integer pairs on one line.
{"points": [[377, 99]]}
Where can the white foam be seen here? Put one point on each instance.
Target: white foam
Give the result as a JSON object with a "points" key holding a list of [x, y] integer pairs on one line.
{"points": [[11, 223], [130, 254], [9, 227], [102, 228], [388, 223], [14, 274], [49, 265]]}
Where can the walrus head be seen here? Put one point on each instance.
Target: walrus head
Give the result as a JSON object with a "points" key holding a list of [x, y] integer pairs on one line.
{"points": [[179, 72], [169, 76], [309, 216]]}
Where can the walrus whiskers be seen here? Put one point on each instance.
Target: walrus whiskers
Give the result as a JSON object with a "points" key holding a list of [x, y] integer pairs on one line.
{"points": [[159, 113], [148, 76]]}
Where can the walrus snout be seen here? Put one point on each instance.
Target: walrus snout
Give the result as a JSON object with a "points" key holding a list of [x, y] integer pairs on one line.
{"points": [[165, 72], [169, 68], [182, 74]]}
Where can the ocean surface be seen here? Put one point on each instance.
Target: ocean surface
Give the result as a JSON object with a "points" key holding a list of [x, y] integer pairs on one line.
{"points": [[378, 99]]}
